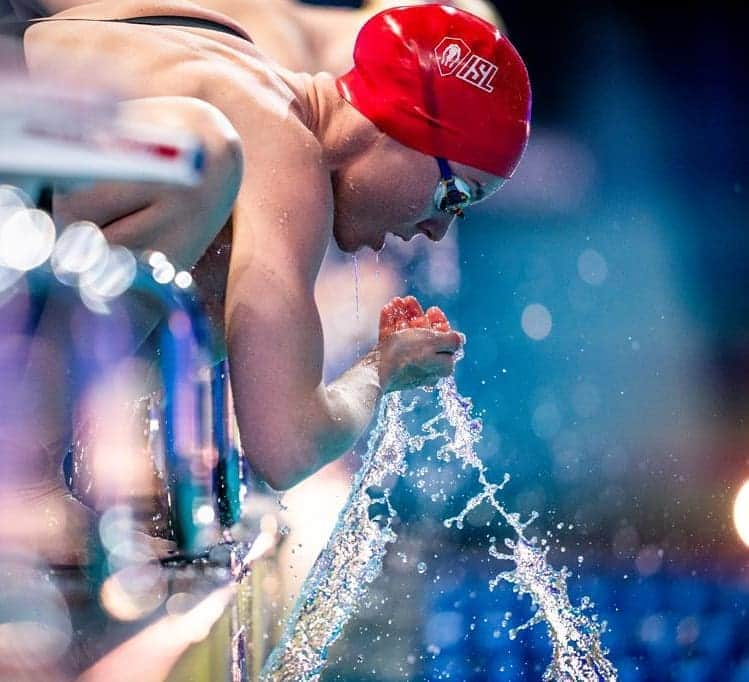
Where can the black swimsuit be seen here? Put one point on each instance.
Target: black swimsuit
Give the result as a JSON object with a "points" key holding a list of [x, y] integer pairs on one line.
{"points": [[17, 29]]}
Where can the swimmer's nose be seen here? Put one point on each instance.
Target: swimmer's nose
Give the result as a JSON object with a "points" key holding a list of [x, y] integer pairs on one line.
{"points": [[436, 228]]}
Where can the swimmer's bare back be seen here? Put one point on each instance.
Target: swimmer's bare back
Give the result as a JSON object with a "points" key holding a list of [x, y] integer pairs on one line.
{"points": [[269, 108], [282, 217]]}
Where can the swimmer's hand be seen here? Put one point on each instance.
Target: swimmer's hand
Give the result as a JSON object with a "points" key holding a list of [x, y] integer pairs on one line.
{"points": [[415, 348]]}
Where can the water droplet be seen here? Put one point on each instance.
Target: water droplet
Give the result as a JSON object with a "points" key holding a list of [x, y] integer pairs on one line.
{"points": [[421, 567]]}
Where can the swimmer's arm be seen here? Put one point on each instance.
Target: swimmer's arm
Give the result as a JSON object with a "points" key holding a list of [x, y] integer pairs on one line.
{"points": [[352, 399], [291, 423]]}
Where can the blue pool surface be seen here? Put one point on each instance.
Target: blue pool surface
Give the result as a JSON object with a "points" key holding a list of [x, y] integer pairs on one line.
{"points": [[662, 628]]}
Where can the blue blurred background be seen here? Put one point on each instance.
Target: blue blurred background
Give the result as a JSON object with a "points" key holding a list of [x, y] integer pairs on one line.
{"points": [[602, 295]]}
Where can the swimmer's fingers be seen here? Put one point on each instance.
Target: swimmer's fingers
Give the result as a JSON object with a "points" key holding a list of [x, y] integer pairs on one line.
{"points": [[393, 317], [405, 313], [437, 319], [420, 322], [387, 320], [401, 308], [412, 307]]}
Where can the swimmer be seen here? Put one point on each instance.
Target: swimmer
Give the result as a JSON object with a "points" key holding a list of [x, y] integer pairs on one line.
{"points": [[297, 35], [432, 118]]}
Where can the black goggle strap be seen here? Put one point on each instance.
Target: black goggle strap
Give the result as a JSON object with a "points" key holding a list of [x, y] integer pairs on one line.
{"points": [[451, 200]]}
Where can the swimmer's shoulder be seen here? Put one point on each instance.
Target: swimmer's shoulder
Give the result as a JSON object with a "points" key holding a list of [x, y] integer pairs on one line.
{"points": [[136, 53]]}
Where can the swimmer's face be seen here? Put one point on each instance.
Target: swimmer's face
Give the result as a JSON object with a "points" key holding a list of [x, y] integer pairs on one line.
{"points": [[390, 190]]}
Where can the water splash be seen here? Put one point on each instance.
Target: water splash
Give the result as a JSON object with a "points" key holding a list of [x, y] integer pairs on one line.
{"points": [[353, 556], [351, 560], [357, 282], [575, 636]]}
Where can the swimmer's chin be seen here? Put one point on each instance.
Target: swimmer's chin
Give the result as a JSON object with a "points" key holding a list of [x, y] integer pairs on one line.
{"points": [[345, 245], [356, 248], [375, 247], [353, 245]]}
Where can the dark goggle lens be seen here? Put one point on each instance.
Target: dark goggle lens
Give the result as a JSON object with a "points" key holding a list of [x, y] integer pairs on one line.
{"points": [[452, 196]]}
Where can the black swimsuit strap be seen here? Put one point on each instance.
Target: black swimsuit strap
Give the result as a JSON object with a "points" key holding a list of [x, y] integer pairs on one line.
{"points": [[190, 22], [18, 28]]}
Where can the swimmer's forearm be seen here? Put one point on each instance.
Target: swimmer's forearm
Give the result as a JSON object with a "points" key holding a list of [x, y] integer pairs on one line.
{"points": [[342, 410], [290, 434], [352, 400]]}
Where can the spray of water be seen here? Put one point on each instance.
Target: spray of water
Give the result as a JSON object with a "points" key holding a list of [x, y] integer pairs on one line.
{"points": [[351, 560], [574, 631], [357, 284], [353, 557]]}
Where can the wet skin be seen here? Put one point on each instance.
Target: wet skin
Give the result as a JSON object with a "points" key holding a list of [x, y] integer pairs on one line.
{"points": [[312, 169]]}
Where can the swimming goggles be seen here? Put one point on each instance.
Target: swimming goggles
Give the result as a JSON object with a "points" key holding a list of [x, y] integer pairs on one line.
{"points": [[452, 194]]}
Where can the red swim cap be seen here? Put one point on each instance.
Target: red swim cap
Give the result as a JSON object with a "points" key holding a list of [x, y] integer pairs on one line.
{"points": [[444, 82]]}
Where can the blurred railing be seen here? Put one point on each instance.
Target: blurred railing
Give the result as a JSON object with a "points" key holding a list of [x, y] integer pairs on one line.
{"points": [[202, 608]]}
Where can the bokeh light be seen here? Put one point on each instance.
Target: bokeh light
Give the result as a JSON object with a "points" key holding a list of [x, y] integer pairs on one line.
{"points": [[35, 623], [156, 258], [8, 277], [546, 420], [536, 321], [164, 272], [134, 591], [12, 199], [27, 237], [112, 281], [81, 252], [741, 513], [115, 524], [183, 279], [205, 514], [133, 550], [592, 267]]}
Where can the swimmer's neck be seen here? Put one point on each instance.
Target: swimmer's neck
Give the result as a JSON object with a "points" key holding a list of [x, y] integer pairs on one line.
{"points": [[342, 132]]}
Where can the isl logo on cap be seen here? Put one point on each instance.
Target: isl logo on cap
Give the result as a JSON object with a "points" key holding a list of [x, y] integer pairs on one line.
{"points": [[454, 57], [450, 52]]}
